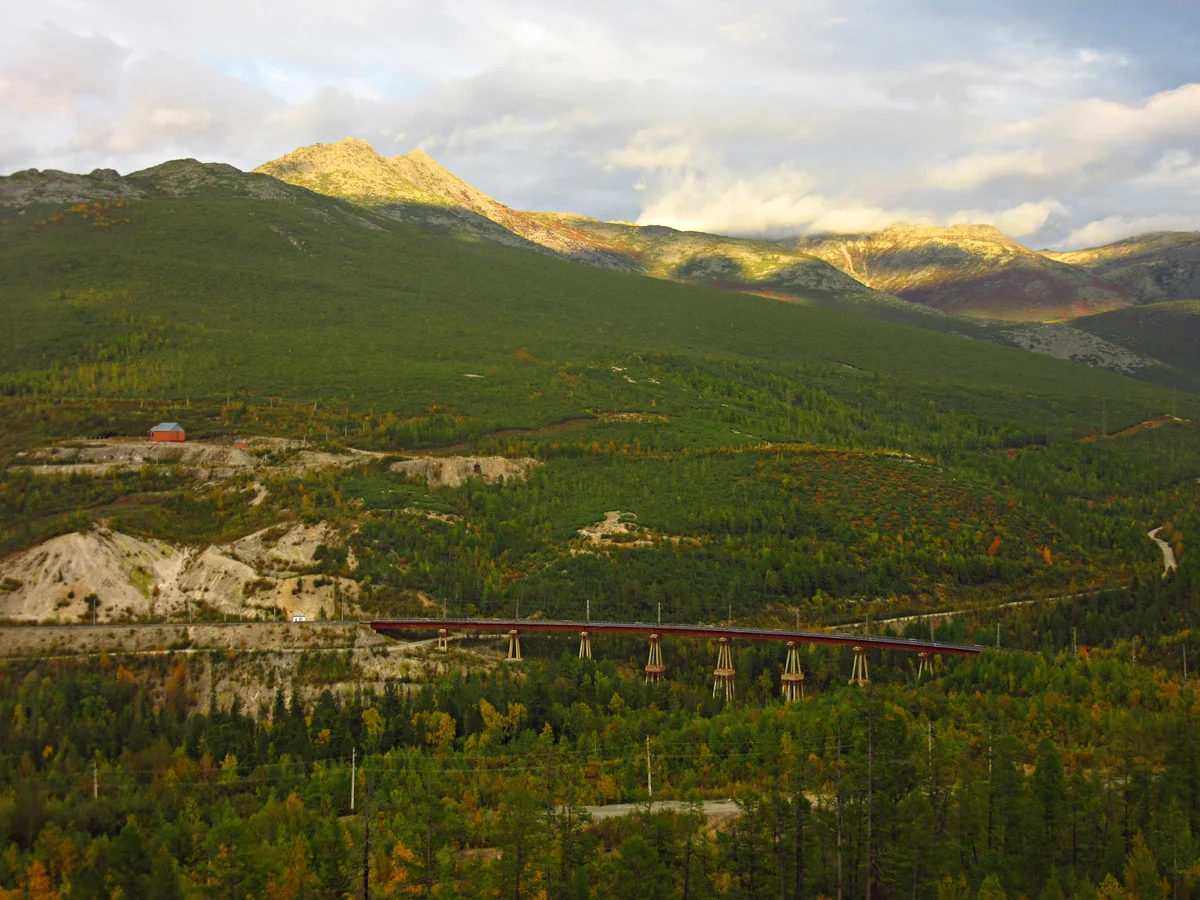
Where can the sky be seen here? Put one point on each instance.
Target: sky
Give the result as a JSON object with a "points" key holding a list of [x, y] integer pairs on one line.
{"points": [[1066, 123]]}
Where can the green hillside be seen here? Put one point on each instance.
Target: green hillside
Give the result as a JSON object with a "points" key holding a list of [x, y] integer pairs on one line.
{"points": [[1152, 268], [231, 301], [213, 291], [1168, 331]]}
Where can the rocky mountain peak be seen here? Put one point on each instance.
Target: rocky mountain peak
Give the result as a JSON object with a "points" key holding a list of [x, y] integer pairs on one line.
{"points": [[965, 269], [1162, 265]]}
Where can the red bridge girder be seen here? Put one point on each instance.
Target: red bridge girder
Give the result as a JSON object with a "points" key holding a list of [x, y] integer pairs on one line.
{"points": [[386, 626]]}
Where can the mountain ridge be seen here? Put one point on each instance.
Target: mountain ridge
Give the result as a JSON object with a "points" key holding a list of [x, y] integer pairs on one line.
{"points": [[1153, 267], [969, 270], [971, 266], [415, 188]]}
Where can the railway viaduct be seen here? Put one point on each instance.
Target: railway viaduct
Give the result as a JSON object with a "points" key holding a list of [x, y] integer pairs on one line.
{"points": [[792, 682]]}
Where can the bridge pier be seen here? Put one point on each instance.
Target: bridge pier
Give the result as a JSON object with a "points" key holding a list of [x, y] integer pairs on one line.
{"points": [[585, 645], [858, 675], [514, 646], [924, 666], [654, 664], [791, 683], [442, 643], [723, 673]]}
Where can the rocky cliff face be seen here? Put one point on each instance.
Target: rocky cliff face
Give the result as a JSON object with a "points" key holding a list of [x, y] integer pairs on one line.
{"points": [[1150, 267], [177, 178], [760, 267], [414, 188], [973, 270]]}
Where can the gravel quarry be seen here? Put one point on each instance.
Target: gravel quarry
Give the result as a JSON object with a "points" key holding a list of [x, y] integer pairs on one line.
{"points": [[131, 578], [206, 459], [454, 471]]}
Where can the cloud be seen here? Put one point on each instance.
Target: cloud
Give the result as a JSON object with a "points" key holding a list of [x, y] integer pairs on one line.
{"points": [[777, 203], [57, 68], [1091, 134], [1176, 169], [659, 147], [839, 115], [970, 172], [1115, 228], [1018, 221]]}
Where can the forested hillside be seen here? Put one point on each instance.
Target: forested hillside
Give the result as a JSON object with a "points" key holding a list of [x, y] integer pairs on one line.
{"points": [[465, 429], [1035, 771]]}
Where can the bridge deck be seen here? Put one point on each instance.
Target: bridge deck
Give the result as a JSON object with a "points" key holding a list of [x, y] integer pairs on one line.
{"points": [[702, 631]]}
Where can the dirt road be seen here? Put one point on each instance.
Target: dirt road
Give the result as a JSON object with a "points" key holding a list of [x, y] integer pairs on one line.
{"points": [[713, 809], [1167, 552]]}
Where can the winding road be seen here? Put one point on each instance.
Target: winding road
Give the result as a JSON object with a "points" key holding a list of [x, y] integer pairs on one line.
{"points": [[1167, 552]]}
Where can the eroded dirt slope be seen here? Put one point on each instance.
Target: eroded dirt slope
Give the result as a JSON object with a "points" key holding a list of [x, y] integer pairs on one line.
{"points": [[126, 577]]}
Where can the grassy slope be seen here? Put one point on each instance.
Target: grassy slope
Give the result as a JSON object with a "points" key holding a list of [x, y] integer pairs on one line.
{"points": [[208, 295], [215, 293], [1166, 331], [1154, 267], [967, 270], [963, 266]]}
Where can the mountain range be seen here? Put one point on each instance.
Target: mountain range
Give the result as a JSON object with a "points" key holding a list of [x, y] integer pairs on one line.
{"points": [[1151, 268], [971, 280]]}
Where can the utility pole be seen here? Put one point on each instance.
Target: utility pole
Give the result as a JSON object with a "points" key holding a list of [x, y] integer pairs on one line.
{"points": [[660, 614], [649, 782], [838, 792], [353, 761], [589, 610], [95, 782], [870, 791], [367, 845], [1074, 641]]}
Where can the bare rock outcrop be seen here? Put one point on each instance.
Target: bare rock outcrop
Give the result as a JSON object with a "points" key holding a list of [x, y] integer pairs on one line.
{"points": [[454, 471], [972, 270], [114, 576]]}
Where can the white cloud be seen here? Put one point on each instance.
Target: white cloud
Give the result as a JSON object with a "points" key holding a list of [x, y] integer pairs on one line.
{"points": [[777, 203], [1177, 169], [1174, 112], [660, 147], [1018, 221], [792, 115], [56, 68], [1115, 228], [970, 172]]}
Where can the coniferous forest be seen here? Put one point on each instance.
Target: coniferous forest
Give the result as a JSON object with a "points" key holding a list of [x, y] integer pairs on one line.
{"points": [[665, 450]]}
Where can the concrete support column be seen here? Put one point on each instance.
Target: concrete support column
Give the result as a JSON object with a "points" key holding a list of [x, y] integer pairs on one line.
{"points": [[924, 666], [585, 645], [723, 673], [792, 681], [514, 646], [654, 664], [858, 675], [442, 643]]}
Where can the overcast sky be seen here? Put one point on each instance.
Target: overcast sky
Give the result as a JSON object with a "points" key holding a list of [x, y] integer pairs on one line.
{"points": [[1064, 122]]}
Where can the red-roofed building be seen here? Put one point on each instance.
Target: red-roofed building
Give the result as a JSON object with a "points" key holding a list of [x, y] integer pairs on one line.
{"points": [[168, 431]]}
